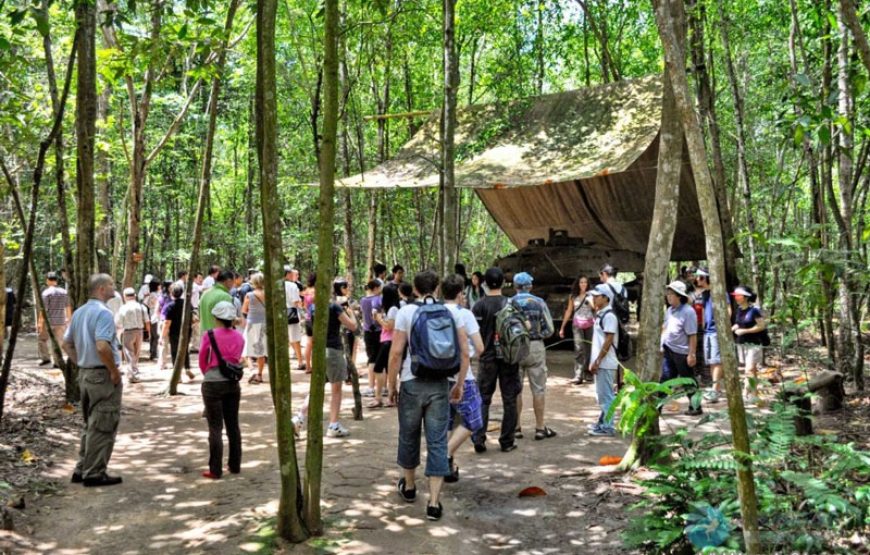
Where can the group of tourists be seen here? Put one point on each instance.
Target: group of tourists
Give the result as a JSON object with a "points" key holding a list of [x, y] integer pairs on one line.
{"points": [[435, 349]]}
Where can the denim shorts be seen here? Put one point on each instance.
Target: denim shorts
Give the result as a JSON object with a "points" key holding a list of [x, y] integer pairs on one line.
{"points": [[712, 355], [468, 408], [424, 401]]}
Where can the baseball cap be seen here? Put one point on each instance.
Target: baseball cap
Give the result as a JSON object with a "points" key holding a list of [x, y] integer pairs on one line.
{"points": [[51, 276], [523, 279], [148, 278], [224, 310], [129, 292], [678, 287], [602, 290]]}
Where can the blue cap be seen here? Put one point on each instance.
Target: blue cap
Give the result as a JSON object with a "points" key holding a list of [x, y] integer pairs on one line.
{"points": [[602, 290], [523, 279]]}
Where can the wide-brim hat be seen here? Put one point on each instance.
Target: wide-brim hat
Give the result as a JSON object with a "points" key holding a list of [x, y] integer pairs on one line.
{"points": [[679, 287]]}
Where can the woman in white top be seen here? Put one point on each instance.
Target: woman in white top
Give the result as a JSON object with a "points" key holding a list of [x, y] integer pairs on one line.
{"points": [[579, 313]]}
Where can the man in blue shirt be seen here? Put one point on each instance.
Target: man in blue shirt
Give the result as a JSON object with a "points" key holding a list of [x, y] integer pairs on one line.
{"points": [[535, 364], [92, 343]]}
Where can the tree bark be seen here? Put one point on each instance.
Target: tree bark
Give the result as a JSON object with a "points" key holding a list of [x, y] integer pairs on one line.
{"points": [[850, 19], [676, 69], [325, 270], [27, 247], [289, 524], [103, 168], [204, 195], [742, 166], [86, 121], [448, 132]]}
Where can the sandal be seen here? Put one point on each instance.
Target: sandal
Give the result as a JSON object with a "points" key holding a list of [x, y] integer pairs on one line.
{"points": [[255, 379], [544, 433], [302, 367], [375, 405]]}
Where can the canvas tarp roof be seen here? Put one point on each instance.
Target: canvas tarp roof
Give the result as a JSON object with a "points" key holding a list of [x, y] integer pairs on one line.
{"points": [[583, 161]]}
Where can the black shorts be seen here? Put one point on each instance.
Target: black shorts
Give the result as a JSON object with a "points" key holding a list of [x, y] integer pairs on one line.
{"points": [[309, 328], [372, 340], [383, 357]]}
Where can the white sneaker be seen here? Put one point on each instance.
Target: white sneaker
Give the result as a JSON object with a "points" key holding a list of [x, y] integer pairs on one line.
{"points": [[337, 430], [368, 392], [298, 424], [711, 396]]}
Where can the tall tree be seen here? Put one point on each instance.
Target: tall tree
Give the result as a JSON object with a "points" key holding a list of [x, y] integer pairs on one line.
{"points": [[325, 270], [850, 19], [204, 190], [448, 132], [676, 68], [86, 123], [290, 525]]}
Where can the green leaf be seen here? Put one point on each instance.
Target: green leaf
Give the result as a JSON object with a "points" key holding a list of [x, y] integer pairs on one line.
{"points": [[802, 79], [17, 16], [824, 134]]}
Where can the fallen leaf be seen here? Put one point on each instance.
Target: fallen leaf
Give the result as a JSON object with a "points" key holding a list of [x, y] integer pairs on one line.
{"points": [[27, 456], [533, 491], [608, 460], [69, 408]]}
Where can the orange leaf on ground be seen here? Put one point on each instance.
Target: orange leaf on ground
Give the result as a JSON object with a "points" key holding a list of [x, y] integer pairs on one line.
{"points": [[533, 491], [608, 460]]}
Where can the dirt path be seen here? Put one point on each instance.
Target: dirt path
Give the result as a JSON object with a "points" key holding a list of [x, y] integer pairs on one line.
{"points": [[165, 506]]}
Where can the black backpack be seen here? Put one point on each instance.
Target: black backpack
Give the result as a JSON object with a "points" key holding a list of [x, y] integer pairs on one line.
{"points": [[622, 341], [620, 305]]}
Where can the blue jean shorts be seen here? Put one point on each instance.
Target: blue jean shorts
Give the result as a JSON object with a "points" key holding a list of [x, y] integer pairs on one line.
{"points": [[468, 408], [423, 408], [712, 355]]}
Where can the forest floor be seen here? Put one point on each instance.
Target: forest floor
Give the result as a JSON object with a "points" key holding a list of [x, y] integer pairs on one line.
{"points": [[165, 506]]}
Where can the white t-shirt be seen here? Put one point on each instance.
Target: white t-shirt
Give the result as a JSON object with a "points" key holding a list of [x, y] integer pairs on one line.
{"points": [[207, 283], [403, 323], [469, 322], [291, 292], [605, 323]]}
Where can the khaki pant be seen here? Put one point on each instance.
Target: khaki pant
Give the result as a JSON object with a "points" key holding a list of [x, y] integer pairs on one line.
{"points": [[535, 367], [163, 348], [101, 409], [46, 352], [132, 342]]}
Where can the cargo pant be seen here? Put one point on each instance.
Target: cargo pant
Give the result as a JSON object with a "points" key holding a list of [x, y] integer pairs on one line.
{"points": [[132, 342], [101, 409], [46, 352]]}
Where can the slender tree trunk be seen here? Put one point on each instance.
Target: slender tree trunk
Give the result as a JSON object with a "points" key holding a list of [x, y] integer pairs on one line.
{"points": [[742, 166], [86, 121], [314, 454], [204, 195], [27, 247], [661, 240], [850, 19], [676, 68], [290, 525], [448, 131], [2, 296], [540, 67], [104, 192]]}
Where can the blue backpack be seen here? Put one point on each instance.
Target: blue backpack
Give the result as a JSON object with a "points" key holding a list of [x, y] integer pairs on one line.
{"points": [[433, 342]]}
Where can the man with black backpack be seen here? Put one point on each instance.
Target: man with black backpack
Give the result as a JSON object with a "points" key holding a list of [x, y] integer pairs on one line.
{"points": [[437, 348], [495, 366]]}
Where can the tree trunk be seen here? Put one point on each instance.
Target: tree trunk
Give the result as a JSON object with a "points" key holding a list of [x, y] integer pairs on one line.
{"points": [[448, 132], [104, 192], [676, 69], [325, 270], [204, 195], [2, 296], [86, 121], [540, 67], [850, 19], [742, 167], [27, 247], [289, 524]]}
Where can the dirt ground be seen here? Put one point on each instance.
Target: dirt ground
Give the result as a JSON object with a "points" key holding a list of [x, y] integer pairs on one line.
{"points": [[165, 506]]}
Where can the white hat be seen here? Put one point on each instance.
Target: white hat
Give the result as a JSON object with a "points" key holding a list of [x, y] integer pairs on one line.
{"points": [[148, 278], [602, 290], [743, 291], [129, 292], [224, 310], [678, 287]]}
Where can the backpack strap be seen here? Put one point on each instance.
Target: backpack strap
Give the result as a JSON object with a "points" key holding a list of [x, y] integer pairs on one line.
{"points": [[214, 348]]}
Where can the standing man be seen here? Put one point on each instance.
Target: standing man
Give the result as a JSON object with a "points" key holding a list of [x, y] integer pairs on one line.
{"points": [[603, 362], [680, 341], [494, 369], [398, 274], [58, 308], [379, 271], [213, 272], [712, 355], [195, 296], [294, 304], [92, 343], [423, 402], [219, 292], [132, 319], [535, 364]]}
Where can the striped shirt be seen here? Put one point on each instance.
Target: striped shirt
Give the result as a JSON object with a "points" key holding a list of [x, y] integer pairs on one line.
{"points": [[56, 302]]}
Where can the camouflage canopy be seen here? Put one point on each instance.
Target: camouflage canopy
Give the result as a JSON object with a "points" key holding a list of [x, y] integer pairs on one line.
{"points": [[583, 161]]}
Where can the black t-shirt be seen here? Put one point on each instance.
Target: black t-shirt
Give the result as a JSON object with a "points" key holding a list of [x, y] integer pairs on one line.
{"points": [[174, 313], [333, 328], [485, 310]]}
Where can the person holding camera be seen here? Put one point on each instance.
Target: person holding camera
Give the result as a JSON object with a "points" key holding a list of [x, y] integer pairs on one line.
{"points": [[220, 395]]}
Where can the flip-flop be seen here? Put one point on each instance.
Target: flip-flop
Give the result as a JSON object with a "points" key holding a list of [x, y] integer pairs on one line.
{"points": [[377, 405]]}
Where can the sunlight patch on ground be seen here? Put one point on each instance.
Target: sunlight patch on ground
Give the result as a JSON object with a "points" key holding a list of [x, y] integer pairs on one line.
{"points": [[442, 531]]}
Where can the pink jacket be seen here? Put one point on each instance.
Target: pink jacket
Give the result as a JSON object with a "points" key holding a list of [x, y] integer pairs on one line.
{"points": [[229, 342]]}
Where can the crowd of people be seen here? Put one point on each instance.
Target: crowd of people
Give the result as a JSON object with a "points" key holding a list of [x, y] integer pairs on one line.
{"points": [[435, 349]]}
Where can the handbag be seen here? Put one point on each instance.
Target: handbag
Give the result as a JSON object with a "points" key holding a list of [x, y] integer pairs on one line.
{"points": [[583, 323], [292, 315], [232, 372]]}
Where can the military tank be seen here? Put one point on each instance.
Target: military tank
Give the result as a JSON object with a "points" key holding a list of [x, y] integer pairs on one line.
{"points": [[557, 261]]}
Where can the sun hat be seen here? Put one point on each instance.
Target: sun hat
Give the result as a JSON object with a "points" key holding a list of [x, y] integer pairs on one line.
{"points": [[743, 291], [523, 279], [224, 310], [602, 290], [678, 287]]}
